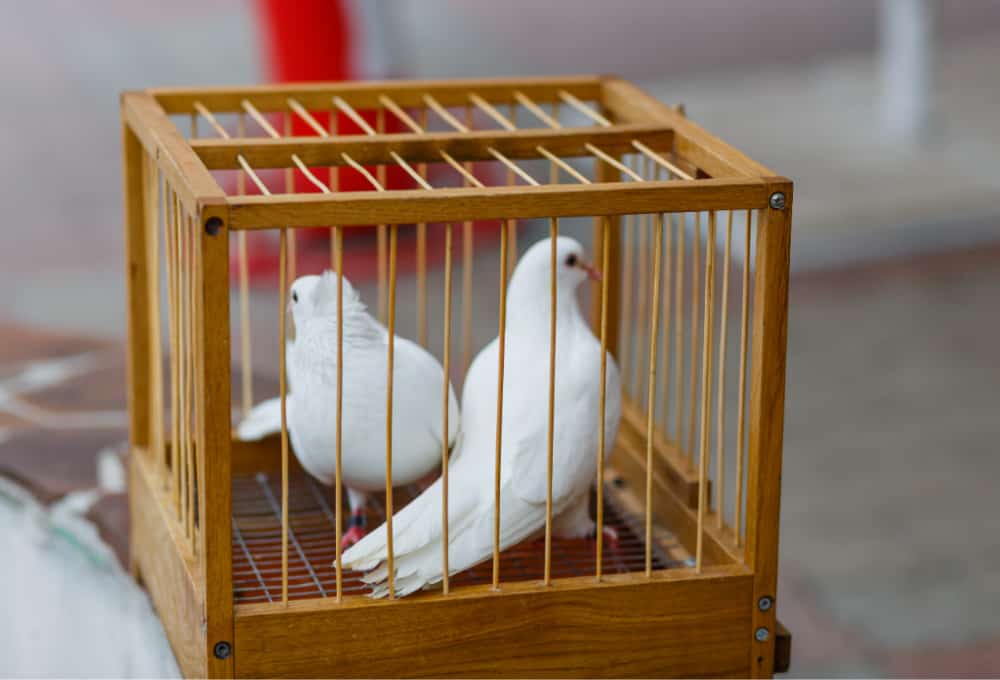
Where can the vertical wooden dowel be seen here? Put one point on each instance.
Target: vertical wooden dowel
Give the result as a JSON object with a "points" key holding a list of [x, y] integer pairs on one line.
{"points": [[334, 188], [446, 359], [720, 428], [679, 334], [512, 251], [197, 340], [695, 308], [151, 202], [282, 387], [189, 412], [553, 235], [706, 380], [187, 274], [185, 349], [175, 355], [246, 358], [502, 340], [627, 333], [603, 394], [422, 257], [665, 314], [741, 409], [390, 360], [381, 230], [169, 246], [468, 235], [290, 189], [651, 386], [642, 316], [338, 245]]}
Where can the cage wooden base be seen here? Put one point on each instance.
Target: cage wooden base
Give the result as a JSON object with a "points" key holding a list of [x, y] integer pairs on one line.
{"points": [[675, 622]]}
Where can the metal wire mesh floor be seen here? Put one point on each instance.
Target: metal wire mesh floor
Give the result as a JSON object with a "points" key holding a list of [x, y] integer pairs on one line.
{"points": [[311, 551]]}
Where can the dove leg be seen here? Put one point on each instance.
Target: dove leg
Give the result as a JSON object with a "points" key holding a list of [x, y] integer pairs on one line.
{"points": [[357, 523], [575, 522]]}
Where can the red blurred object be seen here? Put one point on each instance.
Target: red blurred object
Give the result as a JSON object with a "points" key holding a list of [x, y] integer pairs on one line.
{"points": [[312, 40], [315, 40]]}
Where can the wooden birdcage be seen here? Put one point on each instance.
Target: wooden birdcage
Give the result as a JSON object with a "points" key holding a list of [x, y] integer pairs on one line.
{"points": [[235, 543]]}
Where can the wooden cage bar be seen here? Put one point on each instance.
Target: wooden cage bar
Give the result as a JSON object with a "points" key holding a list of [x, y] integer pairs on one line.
{"points": [[656, 311]]}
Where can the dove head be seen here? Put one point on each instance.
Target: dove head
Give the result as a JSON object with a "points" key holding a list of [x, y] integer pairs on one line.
{"points": [[572, 268], [528, 294], [316, 296]]}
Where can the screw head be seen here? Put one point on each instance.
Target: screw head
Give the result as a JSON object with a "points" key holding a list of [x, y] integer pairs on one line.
{"points": [[213, 225], [761, 634], [765, 603], [222, 650], [777, 200]]}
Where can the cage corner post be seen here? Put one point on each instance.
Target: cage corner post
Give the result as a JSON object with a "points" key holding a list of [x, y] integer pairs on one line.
{"points": [[137, 295], [767, 407], [215, 464]]}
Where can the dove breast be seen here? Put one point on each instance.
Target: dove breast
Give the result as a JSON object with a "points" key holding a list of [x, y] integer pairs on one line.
{"points": [[417, 418]]}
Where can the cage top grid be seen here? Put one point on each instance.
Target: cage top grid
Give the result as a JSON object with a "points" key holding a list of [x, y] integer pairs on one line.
{"points": [[435, 122]]}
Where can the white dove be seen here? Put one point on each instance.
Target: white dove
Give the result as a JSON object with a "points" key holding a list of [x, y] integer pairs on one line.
{"points": [[417, 527], [311, 402]]}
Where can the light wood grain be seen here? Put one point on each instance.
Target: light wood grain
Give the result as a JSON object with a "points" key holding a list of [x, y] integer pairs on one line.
{"points": [[705, 429], [137, 287], [669, 510], [365, 95], [157, 549], [630, 103], [767, 409], [194, 185], [424, 147], [451, 205], [214, 456], [672, 625], [613, 272], [741, 407]]}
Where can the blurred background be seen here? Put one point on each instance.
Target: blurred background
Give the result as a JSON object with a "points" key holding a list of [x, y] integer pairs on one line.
{"points": [[884, 113]]}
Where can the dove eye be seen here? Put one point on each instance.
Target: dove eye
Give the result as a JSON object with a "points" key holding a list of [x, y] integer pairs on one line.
{"points": [[571, 260], [295, 296]]}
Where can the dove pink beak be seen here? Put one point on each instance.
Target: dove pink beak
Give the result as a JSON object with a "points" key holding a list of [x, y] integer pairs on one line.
{"points": [[593, 273]]}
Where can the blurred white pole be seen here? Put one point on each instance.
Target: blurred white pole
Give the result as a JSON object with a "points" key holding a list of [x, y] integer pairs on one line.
{"points": [[907, 58]]}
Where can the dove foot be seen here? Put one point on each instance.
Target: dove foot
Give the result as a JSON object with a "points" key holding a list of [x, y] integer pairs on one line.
{"points": [[356, 529], [610, 536]]}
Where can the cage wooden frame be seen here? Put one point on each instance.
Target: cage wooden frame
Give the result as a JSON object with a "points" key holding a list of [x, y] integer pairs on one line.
{"points": [[714, 619]]}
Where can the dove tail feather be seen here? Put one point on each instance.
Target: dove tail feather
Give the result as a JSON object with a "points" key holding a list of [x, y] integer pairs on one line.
{"points": [[470, 543], [264, 419]]}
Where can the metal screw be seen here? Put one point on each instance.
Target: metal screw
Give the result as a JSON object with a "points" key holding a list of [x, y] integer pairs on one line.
{"points": [[764, 604], [222, 650], [213, 225], [761, 634], [777, 200]]}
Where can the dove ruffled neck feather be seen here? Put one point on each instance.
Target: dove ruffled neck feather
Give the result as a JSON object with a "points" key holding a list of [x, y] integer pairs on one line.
{"points": [[358, 324]]}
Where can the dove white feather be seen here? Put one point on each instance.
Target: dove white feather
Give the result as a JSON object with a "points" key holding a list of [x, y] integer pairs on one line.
{"points": [[311, 403], [417, 527]]}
